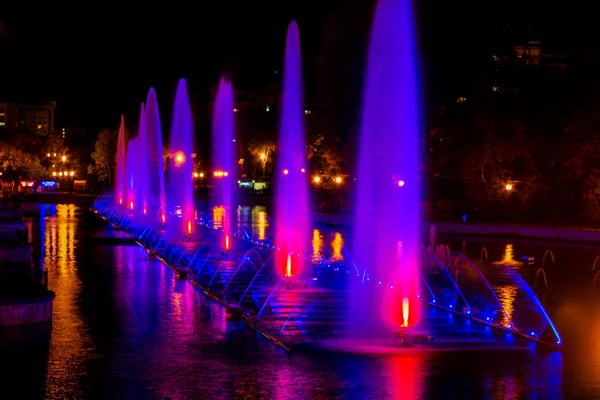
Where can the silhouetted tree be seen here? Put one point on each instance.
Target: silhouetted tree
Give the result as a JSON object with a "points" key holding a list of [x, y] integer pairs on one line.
{"points": [[104, 155]]}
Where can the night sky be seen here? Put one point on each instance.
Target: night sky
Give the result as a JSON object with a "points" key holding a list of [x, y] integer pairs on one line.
{"points": [[99, 60]]}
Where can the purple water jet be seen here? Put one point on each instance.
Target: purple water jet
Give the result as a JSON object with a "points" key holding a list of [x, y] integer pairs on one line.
{"points": [[223, 154], [387, 218], [120, 175], [180, 198], [132, 173], [141, 165], [154, 157], [291, 207]]}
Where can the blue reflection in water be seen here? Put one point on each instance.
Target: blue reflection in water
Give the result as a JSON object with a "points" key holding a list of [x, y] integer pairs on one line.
{"points": [[125, 328]]}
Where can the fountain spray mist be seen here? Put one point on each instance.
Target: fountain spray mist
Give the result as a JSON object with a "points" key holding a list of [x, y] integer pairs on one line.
{"points": [[180, 198], [387, 218], [291, 210], [223, 155]]}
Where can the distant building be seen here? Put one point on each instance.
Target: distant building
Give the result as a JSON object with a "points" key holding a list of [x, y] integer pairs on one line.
{"points": [[529, 54], [8, 116], [34, 118], [37, 118]]}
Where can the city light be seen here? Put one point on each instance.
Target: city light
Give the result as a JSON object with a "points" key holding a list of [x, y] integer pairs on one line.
{"points": [[263, 156], [317, 179], [179, 158], [64, 158], [218, 174], [509, 187], [303, 170], [400, 183], [338, 179], [285, 172]]}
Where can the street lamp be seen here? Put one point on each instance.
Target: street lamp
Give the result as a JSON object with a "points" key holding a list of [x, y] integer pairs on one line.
{"points": [[317, 179], [64, 158], [508, 187], [338, 179]]}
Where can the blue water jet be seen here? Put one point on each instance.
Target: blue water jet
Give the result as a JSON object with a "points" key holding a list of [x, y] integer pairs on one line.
{"points": [[291, 203], [154, 148], [387, 216], [180, 195], [223, 162]]}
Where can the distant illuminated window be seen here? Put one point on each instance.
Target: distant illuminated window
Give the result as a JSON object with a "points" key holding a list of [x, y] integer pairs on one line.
{"points": [[461, 99]]}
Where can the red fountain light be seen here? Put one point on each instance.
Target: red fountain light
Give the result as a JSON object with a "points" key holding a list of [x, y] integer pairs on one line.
{"points": [[131, 205], [226, 242], [163, 218], [405, 310], [144, 211], [288, 268], [121, 201], [189, 227]]}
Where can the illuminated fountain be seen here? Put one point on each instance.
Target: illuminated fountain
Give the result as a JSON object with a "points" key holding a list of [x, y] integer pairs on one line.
{"points": [[223, 156], [132, 174], [291, 206], [387, 219], [141, 165], [180, 195], [121, 159], [154, 157]]}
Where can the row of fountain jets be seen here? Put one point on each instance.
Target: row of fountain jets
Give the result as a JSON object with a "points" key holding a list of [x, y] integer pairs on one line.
{"points": [[387, 170]]}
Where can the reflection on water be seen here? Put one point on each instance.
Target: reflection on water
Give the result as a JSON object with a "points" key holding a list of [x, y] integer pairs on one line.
{"points": [[71, 347], [508, 258], [507, 294], [317, 245], [219, 217], [124, 327], [259, 222], [337, 244]]}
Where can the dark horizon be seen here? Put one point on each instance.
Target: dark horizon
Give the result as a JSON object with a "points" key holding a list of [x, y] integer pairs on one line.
{"points": [[99, 66]]}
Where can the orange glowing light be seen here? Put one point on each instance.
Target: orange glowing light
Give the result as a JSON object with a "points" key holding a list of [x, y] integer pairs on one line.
{"points": [[120, 200], [189, 226], [338, 179], [288, 268], [131, 205], [179, 158], [163, 218], [317, 179], [225, 173], [400, 183], [226, 242], [405, 310], [285, 172], [302, 170], [144, 211]]}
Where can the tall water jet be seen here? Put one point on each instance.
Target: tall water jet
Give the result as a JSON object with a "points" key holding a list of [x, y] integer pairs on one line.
{"points": [[141, 165], [131, 174], [223, 155], [291, 207], [156, 164], [387, 216], [180, 198], [120, 176]]}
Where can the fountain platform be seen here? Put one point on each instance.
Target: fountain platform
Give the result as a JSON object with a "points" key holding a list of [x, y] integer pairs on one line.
{"points": [[460, 310]]}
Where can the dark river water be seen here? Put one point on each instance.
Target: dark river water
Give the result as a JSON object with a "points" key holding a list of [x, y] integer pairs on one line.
{"points": [[123, 327]]}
